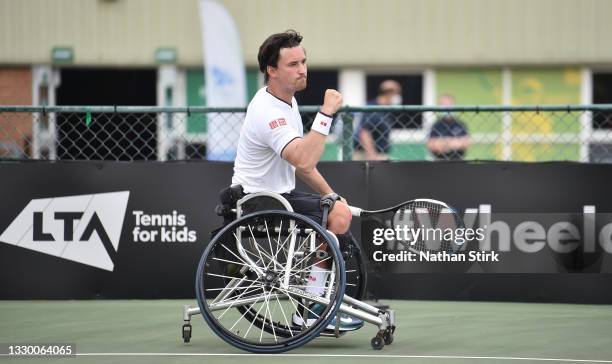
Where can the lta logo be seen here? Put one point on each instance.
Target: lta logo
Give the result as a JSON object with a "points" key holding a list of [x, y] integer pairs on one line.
{"points": [[85, 229]]}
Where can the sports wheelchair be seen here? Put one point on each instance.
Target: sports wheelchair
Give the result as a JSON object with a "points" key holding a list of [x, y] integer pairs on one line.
{"points": [[251, 279]]}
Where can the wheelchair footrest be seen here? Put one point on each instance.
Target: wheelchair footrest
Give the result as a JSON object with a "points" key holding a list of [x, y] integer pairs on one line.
{"points": [[332, 333]]}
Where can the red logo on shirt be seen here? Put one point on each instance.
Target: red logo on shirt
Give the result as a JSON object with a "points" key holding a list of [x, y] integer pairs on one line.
{"points": [[323, 123], [276, 123]]}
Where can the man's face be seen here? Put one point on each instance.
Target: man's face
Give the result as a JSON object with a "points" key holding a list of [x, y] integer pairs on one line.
{"points": [[447, 101], [291, 70], [391, 93]]}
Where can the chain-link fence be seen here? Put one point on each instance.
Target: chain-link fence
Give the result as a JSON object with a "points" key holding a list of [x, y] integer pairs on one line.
{"points": [[528, 133]]}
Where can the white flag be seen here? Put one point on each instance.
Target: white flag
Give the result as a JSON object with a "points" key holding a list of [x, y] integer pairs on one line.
{"points": [[224, 77]]}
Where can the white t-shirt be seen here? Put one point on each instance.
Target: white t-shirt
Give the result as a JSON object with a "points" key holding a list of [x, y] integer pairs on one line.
{"points": [[270, 124]]}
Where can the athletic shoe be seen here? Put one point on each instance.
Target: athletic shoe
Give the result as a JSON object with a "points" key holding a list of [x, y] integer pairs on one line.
{"points": [[347, 323]]}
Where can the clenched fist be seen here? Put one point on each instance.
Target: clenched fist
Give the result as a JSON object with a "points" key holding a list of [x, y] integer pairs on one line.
{"points": [[331, 102]]}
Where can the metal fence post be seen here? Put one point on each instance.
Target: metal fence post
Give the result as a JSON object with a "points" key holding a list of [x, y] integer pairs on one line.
{"points": [[347, 136]]}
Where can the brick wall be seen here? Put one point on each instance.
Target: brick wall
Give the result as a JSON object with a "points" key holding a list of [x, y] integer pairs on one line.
{"points": [[15, 128]]}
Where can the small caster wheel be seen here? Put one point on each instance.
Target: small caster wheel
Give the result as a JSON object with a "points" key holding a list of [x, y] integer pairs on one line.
{"points": [[377, 342], [186, 333], [388, 337]]}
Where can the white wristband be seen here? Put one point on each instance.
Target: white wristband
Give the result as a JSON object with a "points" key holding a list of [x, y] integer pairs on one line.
{"points": [[321, 124]]}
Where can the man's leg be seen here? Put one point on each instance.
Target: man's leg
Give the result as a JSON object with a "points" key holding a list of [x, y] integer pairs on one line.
{"points": [[309, 204], [338, 222], [339, 219]]}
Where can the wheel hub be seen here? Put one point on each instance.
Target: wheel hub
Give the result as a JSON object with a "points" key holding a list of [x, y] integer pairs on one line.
{"points": [[270, 279]]}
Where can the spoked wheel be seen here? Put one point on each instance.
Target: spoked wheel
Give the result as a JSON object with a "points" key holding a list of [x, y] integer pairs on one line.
{"points": [[252, 278], [356, 281]]}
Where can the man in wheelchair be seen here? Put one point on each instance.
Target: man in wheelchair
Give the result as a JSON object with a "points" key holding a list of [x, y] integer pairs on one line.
{"points": [[273, 149]]}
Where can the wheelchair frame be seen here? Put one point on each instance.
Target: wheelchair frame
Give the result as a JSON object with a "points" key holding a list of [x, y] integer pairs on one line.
{"points": [[383, 319]]}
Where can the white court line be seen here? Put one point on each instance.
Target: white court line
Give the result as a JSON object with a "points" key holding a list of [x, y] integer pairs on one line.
{"points": [[380, 356]]}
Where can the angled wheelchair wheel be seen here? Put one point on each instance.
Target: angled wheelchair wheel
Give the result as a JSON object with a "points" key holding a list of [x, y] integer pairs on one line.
{"points": [[356, 281], [356, 273], [252, 277]]}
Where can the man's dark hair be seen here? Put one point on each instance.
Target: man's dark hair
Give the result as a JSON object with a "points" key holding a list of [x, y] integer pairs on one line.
{"points": [[269, 51], [389, 87]]}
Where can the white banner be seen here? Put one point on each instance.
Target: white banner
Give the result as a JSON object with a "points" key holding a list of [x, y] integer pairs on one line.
{"points": [[224, 77]]}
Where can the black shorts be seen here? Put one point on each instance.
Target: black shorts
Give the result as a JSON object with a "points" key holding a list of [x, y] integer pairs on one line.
{"points": [[305, 203], [309, 204]]}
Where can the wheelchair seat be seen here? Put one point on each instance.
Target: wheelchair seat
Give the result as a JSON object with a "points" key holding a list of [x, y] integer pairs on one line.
{"points": [[235, 203], [261, 201]]}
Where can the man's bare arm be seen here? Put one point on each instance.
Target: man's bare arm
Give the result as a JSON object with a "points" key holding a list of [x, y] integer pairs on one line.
{"points": [[315, 181], [445, 144], [367, 143], [304, 153]]}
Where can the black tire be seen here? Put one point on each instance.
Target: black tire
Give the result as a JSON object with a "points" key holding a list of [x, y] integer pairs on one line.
{"points": [[186, 333], [377, 342], [227, 280], [388, 337]]}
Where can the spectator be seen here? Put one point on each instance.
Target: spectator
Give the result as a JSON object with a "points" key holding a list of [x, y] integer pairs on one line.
{"points": [[371, 139], [448, 138]]}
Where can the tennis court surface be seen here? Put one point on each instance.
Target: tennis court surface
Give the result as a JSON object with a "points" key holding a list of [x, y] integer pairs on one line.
{"points": [[148, 331]]}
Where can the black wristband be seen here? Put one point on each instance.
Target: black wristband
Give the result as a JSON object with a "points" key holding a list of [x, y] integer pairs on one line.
{"points": [[322, 113]]}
